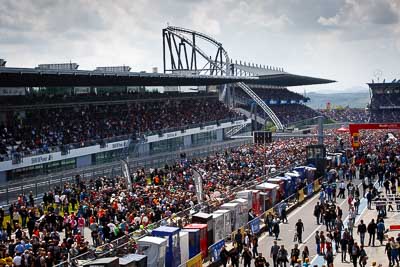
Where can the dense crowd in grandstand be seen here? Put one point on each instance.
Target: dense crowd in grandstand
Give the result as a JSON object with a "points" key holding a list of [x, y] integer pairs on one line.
{"points": [[385, 115], [278, 94], [288, 113], [46, 97], [291, 113], [41, 130], [385, 100], [287, 105], [385, 105], [346, 114], [48, 231]]}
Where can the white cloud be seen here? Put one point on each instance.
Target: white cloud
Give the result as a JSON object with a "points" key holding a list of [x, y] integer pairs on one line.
{"points": [[338, 39], [203, 19], [332, 21]]}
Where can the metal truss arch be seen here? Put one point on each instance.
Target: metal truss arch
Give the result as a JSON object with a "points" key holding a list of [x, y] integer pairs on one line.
{"points": [[181, 51]]}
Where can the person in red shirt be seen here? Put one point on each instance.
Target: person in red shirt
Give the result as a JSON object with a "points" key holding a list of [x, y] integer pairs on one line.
{"points": [[81, 224]]}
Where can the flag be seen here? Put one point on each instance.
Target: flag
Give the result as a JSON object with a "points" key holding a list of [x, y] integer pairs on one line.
{"points": [[198, 185], [125, 172]]}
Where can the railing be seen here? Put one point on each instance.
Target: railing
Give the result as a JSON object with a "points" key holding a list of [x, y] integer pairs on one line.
{"points": [[38, 186]]}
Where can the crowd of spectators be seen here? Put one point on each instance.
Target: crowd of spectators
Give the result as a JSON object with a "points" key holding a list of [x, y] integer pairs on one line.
{"points": [[43, 98], [275, 94], [385, 100], [346, 114], [49, 230], [289, 113], [385, 107], [377, 160], [287, 105], [46, 232], [385, 115], [41, 130]]}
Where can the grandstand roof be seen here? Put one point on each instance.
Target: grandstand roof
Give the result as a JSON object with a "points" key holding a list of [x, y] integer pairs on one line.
{"points": [[28, 77], [288, 79]]}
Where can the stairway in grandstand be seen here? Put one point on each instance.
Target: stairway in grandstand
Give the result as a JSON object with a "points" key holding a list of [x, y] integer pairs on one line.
{"points": [[262, 104], [235, 130], [223, 94], [248, 114]]}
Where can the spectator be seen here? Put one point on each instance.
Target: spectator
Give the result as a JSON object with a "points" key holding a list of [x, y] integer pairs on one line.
{"points": [[371, 231]]}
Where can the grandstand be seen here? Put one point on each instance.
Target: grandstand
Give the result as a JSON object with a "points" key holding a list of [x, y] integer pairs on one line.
{"points": [[56, 117], [86, 130], [385, 101], [58, 127]]}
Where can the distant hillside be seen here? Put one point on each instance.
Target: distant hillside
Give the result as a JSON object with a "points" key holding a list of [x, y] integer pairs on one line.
{"points": [[354, 100]]}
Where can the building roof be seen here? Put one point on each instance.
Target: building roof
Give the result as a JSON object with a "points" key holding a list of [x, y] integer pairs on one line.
{"points": [[29, 77]]}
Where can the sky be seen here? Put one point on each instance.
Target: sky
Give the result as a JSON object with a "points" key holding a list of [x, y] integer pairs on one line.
{"points": [[343, 40]]}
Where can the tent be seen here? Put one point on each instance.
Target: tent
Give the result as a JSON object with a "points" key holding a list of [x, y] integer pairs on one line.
{"points": [[343, 130]]}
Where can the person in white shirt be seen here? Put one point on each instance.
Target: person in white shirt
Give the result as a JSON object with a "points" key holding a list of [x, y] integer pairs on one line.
{"points": [[57, 199], [17, 261]]}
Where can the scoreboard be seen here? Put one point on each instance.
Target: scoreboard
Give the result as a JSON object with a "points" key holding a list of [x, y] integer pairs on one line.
{"points": [[262, 137]]}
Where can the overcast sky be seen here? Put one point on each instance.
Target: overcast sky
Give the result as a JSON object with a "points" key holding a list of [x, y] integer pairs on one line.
{"points": [[344, 40]]}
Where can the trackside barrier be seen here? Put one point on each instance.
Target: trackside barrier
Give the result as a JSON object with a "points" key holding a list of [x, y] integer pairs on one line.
{"points": [[256, 226]]}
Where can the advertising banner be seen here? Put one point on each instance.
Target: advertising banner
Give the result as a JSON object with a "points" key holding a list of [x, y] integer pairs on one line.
{"points": [[255, 225], [195, 261], [310, 189], [215, 250]]}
